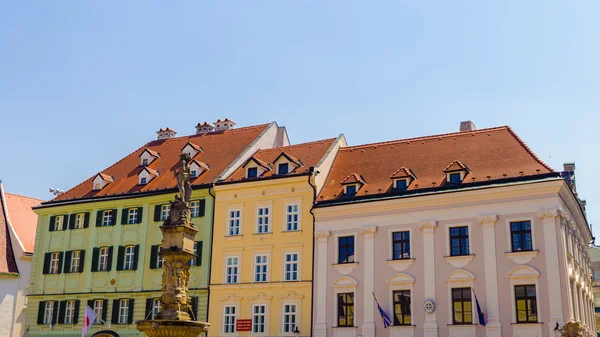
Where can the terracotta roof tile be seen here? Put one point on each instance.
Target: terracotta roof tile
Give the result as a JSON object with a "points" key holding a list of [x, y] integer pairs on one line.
{"points": [[194, 146], [259, 162], [151, 152], [456, 166], [289, 157], [490, 152], [352, 178], [22, 218], [403, 172], [151, 171], [105, 177], [201, 164]]}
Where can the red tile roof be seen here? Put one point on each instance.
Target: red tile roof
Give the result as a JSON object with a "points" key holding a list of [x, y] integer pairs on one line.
{"points": [[105, 177], [151, 171], [194, 146], [22, 218], [488, 153], [456, 166], [152, 153], [353, 178], [402, 172], [201, 164], [220, 149], [310, 154]]}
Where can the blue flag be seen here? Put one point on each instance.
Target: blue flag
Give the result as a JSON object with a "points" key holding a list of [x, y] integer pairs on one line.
{"points": [[479, 312], [384, 316]]}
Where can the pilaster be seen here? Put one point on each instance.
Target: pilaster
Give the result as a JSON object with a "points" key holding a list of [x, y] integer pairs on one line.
{"points": [[493, 327], [320, 329], [430, 327], [368, 328]]}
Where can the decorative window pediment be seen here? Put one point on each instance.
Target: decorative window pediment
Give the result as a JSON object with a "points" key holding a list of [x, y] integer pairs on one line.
{"points": [[402, 178], [345, 282], [460, 275], [197, 168], [255, 168], [456, 172], [523, 272], [191, 149], [401, 278], [352, 183], [146, 175], [148, 156], [286, 163], [101, 180]]}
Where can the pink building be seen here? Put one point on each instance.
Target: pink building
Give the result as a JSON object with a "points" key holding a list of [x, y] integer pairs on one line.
{"points": [[431, 224]]}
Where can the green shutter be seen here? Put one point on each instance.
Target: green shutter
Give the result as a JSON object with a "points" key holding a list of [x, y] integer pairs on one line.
{"points": [[76, 314], [157, 213], [95, 257], [81, 261], [124, 213], [60, 261], [67, 264], [104, 310], [140, 212], [46, 269], [61, 312], [98, 218], [114, 217], [199, 257], [149, 305], [55, 312], [71, 220], [41, 312], [131, 307], [153, 256], [194, 308], [51, 225], [115, 312], [86, 220], [110, 259], [120, 257], [202, 207], [136, 256]]}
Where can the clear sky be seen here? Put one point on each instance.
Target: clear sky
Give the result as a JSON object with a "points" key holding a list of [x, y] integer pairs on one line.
{"points": [[84, 83]]}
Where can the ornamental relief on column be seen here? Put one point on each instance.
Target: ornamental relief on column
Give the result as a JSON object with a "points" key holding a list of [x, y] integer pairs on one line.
{"points": [[548, 214], [487, 220], [428, 226], [368, 230], [322, 235]]}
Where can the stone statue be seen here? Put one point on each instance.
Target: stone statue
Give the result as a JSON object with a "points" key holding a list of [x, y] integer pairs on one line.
{"points": [[572, 329], [183, 177]]}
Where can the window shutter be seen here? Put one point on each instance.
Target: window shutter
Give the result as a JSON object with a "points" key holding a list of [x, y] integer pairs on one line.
{"points": [[157, 213], [153, 256], [140, 211], [46, 268], [104, 310], [95, 257], [52, 221], [115, 312], [76, 315], [130, 314], [55, 312], [194, 312], [98, 218], [67, 264], [114, 217], [110, 258], [149, 305], [199, 257], [61, 312], [124, 213], [71, 220], [86, 220], [202, 207], [81, 261], [60, 261], [120, 257], [136, 256], [41, 312], [90, 303]]}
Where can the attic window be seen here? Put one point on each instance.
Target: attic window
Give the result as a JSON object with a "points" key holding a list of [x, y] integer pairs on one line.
{"points": [[143, 181], [283, 168], [252, 172], [401, 184], [350, 190], [455, 178], [145, 161], [193, 173], [97, 186], [456, 172]]}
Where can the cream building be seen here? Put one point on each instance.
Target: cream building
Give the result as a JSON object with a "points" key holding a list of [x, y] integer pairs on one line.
{"points": [[431, 224]]}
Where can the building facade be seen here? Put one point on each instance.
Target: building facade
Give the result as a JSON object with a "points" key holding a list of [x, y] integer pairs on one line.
{"points": [[595, 257], [96, 244], [261, 279], [437, 227]]}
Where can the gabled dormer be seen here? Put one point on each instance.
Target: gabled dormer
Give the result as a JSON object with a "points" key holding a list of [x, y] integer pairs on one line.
{"points": [[197, 168], [148, 156], [456, 172], [402, 178], [285, 163], [101, 180], [191, 149], [255, 168], [146, 175], [352, 184]]}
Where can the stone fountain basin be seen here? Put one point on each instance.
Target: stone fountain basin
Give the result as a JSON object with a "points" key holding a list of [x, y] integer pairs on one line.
{"points": [[172, 328]]}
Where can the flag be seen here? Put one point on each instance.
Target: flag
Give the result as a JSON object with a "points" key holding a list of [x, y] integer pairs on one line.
{"points": [[384, 316], [480, 314], [90, 317]]}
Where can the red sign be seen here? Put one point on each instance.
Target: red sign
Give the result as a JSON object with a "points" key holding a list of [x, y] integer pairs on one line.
{"points": [[243, 325]]}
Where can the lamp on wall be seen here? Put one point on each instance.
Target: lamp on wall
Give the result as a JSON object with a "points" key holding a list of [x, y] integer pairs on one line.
{"points": [[296, 332]]}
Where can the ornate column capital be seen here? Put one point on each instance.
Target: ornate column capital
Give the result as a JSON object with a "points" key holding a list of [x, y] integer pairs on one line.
{"points": [[322, 235], [428, 226], [487, 220], [548, 214], [368, 230]]}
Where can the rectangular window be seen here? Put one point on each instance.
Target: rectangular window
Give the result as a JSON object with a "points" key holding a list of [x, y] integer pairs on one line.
{"points": [[345, 310], [69, 312], [49, 312], [193, 173], [193, 261], [455, 178], [145, 161], [401, 184], [526, 301], [258, 318], [54, 263], [129, 257], [143, 181], [289, 318], [164, 211], [98, 310], [291, 266], [123, 311], [59, 221], [401, 245], [75, 261], [79, 220], [262, 219], [402, 314], [107, 218], [155, 307], [346, 249], [520, 233], [260, 268], [252, 172], [459, 241], [132, 216], [234, 222], [283, 168], [229, 319], [351, 190], [103, 259], [159, 262], [462, 311], [291, 216], [232, 269], [195, 206]]}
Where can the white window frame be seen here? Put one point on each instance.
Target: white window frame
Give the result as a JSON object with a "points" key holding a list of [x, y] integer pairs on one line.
{"points": [[159, 261], [155, 307], [132, 216], [98, 310], [55, 263], [69, 312], [129, 257], [297, 213], [337, 237], [454, 225], [356, 185], [391, 242], [164, 211], [401, 281], [75, 261], [234, 267], [144, 161], [193, 173], [285, 264], [509, 236], [107, 218], [232, 225], [49, 312], [461, 278], [285, 305], [230, 315], [261, 264], [263, 219], [342, 285], [59, 222], [103, 259], [123, 311], [195, 208], [143, 180], [79, 220], [524, 275], [259, 314]]}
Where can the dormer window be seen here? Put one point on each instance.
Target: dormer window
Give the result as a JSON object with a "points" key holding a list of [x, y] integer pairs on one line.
{"points": [[352, 184], [97, 186], [256, 168], [101, 180], [252, 172], [402, 178], [455, 178], [456, 172], [147, 157], [401, 184], [283, 168], [191, 149], [145, 161], [286, 163], [146, 175], [193, 173], [350, 190]]}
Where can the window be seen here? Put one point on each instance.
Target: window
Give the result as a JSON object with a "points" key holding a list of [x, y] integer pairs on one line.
{"points": [[459, 241], [69, 312], [401, 245], [132, 216], [461, 306], [262, 219], [346, 249], [525, 299], [402, 314], [291, 266], [234, 222], [345, 310], [49, 312], [260, 268], [232, 269], [258, 318], [75, 261], [103, 259], [145, 161], [123, 311], [351, 190], [129, 257], [97, 186], [54, 263], [401, 184], [455, 178], [289, 318], [59, 222], [164, 211], [79, 220], [193, 261], [520, 233], [155, 307], [195, 206], [143, 181], [283, 168], [98, 310], [193, 173], [229, 319], [107, 218], [159, 262], [292, 214], [253, 172]]}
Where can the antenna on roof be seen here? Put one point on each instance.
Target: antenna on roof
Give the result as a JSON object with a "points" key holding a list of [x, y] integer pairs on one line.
{"points": [[56, 191]]}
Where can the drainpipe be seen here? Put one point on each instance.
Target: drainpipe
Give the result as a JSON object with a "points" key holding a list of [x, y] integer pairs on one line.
{"points": [[311, 171], [212, 230]]}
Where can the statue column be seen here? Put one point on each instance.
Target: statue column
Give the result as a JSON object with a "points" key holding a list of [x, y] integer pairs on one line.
{"points": [[493, 326], [430, 326], [368, 328], [320, 329]]}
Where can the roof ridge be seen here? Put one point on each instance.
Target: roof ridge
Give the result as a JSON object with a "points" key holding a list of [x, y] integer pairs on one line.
{"points": [[426, 137], [528, 149], [282, 148], [244, 128], [23, 196]]}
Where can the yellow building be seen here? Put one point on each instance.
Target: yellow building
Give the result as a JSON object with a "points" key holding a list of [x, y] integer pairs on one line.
{"points": [[261, 276]]}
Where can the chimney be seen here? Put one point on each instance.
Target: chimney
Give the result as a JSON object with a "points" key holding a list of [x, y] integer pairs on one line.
{"points": [[467, 126], [569, 175], [204, 128], [166, 133], [222, 125]]}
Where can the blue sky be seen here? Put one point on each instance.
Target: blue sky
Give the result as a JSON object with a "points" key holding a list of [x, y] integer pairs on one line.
{"points": [[83, 83]]}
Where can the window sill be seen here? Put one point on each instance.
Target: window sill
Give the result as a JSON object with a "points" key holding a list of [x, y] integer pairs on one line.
{"points": [[528, 323], [400, 264], [344, 327], [345, 268], [292, 233], [263, 235], [233, 237], [522, 257], [459, 261]]}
